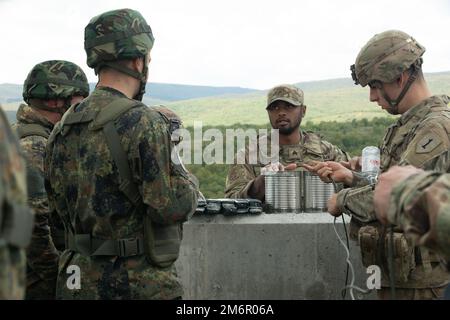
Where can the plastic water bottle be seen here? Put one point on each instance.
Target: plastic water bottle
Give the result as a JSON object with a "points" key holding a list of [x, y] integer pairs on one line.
{"points": [[371, 162]]}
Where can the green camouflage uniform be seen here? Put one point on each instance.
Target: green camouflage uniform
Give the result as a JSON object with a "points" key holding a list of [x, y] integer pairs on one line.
{"points": [[113, 233], [420, 137], [311, 147], [15, 218], [55, 79], [420, 205]]}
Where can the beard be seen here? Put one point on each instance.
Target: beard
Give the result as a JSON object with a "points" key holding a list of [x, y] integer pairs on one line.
{"points": [[289, 129]]}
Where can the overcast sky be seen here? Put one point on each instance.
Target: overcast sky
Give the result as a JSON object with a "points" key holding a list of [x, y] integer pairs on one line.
{"points": [[254, 44]]}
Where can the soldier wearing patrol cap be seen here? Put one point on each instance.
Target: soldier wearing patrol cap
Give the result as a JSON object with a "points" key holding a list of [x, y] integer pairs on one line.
{"points": [[49, 90], [286, 109], [110, 177], [391, 65]]}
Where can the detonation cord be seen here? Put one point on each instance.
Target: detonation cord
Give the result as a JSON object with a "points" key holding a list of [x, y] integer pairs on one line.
{"points": [[346, 246]]}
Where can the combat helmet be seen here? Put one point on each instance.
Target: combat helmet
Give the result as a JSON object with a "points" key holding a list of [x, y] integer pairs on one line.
{"points": [[55, 79], [118, 35], [385, 57]]}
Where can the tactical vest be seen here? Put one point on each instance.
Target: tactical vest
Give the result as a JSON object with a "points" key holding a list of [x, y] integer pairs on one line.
{"points": [[35, 185], [159, 243], [414, 267]]}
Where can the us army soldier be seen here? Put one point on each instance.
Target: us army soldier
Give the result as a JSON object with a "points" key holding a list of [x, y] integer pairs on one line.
{"points": [[286, 109], [16, 219], [390, 63], [49, 90], [110, 177]]}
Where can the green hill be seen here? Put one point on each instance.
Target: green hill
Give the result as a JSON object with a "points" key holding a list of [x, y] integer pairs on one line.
{"points": [[329, 100], [155, 92]]}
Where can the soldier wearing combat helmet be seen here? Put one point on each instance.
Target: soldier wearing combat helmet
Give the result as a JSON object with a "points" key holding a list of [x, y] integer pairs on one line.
{"points": [[110, 177], [49, 90], [390, 64]]}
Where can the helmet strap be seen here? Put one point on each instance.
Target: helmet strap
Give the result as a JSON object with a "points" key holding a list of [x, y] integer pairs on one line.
{"points": [[141, 76], [393, 104]]}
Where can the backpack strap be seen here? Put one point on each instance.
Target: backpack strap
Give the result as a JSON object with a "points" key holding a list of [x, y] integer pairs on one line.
{"points": [[105, 120]]}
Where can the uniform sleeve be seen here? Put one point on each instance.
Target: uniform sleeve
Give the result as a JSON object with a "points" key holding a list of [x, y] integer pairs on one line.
{"points": [[357, 202], [429, 148], [240, 178], [41, 253], [168, 190], [421, 206], [333, 153]]}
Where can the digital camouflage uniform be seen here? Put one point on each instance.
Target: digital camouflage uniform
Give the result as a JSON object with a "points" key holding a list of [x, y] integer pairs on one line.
{"points": [[54, 79], [420, 137], [311, 147], [123, 229], [16, 220], [420, 205]]}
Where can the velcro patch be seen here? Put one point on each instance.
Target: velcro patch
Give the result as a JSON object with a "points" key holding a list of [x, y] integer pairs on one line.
{"points": [[428, 143], [294, 154]]}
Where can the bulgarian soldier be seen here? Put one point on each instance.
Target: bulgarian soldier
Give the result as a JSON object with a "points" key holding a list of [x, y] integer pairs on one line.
{"points": [[390, 64], [16, 219], [49, 90], [110, 177], [286, 109]]}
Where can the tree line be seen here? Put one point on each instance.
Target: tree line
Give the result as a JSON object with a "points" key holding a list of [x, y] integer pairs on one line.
{"points": [[351, 136]]}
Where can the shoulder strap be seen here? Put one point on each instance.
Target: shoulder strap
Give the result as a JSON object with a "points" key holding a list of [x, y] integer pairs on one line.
{"points": [[113, 111], [127, 186], [105, 120], [32, 129]]}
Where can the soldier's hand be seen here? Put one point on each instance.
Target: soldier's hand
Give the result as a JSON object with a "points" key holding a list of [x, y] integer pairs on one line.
{"points": [[332, 206], [277, 166], [289, 167], [258, 188], [354, 164], [330, 170], [383, 189]]}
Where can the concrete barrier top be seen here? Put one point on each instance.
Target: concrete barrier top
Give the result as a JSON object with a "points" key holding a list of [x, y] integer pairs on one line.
{"points": [[272, 218]]}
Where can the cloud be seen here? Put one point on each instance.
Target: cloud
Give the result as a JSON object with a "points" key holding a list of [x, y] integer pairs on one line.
{"points": [[234, 42]]}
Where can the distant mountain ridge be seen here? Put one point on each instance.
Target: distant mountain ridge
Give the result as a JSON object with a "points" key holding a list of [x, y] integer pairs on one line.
{"points": [[326, 100], [158, 92]]}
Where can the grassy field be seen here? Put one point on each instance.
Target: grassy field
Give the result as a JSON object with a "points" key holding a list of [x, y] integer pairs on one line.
{"points": [[328, 100], [331, 100]]}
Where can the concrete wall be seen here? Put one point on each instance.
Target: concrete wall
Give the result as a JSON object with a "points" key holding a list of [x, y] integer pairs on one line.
{"points": [[268, 256]]}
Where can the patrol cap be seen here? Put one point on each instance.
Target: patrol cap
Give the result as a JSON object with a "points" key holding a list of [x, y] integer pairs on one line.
{"points": [[285, 92]]}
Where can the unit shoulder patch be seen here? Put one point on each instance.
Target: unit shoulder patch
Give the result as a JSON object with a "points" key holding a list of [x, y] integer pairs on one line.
{"points": [[428, 143]]}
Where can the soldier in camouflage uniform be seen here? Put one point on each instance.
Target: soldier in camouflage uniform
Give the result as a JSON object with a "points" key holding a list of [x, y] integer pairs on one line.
{"points": [[419, 204], [16, 219], [286, 110], [390, 63], [49, 90], [110, 177]]}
